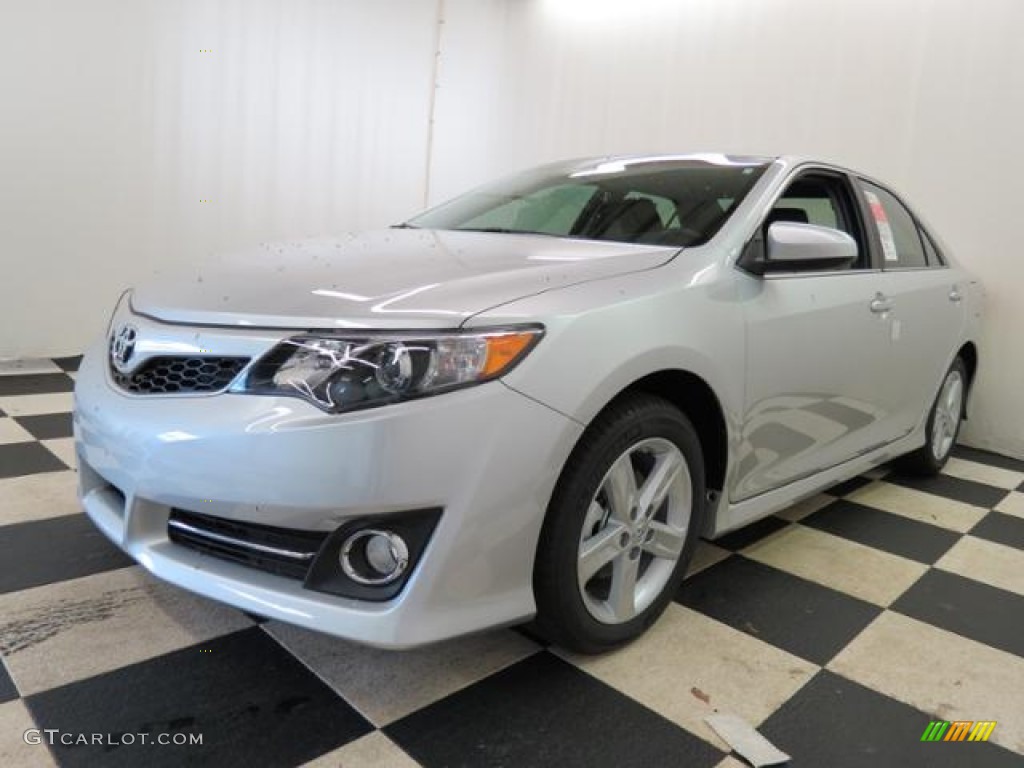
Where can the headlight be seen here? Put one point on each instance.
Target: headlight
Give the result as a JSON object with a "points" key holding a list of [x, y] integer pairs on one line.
{"points": [[344, 373]]}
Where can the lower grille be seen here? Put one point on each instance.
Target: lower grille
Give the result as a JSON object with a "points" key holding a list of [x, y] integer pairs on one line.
{"points": [[281, 551], [181, 375]]}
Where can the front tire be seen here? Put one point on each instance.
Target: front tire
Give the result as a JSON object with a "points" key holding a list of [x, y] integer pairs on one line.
{"points": [[621, 526], [943, 425]]}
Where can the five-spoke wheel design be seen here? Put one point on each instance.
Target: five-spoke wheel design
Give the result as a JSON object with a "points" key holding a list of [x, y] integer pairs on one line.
{"points": [[621, 526], [634, 530]]}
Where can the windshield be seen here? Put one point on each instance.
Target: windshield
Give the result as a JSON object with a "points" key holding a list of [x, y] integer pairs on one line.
{"points": [[670, 201]]}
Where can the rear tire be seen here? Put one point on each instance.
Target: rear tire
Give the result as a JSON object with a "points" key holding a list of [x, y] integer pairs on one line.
{"points": [[943, 425], [621, 526]]}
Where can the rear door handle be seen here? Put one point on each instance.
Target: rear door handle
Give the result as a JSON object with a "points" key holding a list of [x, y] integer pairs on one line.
{"points": [[881, 304], [954, 294]]}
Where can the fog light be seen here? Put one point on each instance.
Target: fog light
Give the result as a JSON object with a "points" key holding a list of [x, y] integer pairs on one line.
{"points": [[374, 557]]}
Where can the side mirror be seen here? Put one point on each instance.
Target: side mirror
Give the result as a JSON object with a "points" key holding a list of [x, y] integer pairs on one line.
{"points": [[794, 247]]}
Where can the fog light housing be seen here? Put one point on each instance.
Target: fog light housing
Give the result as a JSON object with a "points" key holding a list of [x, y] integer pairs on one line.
{"points": [[374, 557]]}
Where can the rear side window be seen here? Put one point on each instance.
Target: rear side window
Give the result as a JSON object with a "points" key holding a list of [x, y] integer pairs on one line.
{"points": [[902, 247]]}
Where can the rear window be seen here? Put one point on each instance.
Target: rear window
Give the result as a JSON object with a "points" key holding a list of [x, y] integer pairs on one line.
{"points": [[675, 202]]}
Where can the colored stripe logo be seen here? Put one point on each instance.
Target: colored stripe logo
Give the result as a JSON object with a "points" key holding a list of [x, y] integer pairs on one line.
{"points": [[958, 730]]}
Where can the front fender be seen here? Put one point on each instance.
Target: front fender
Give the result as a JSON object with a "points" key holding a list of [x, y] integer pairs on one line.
{"points": [[603, 337]]}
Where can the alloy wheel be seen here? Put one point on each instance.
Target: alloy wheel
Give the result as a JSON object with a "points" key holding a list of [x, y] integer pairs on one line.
{"points": [[634, 530], [948, 410]]}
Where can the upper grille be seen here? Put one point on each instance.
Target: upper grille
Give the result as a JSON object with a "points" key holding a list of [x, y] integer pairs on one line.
{"points": [[282, 551], [180, 375]]}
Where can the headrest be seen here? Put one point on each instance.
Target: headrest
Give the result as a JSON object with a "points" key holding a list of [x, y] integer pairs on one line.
{"points": [[796, 215]]}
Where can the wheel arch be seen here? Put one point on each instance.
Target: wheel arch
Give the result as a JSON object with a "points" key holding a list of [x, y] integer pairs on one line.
{"points": [[692, 395], [969, 354]]}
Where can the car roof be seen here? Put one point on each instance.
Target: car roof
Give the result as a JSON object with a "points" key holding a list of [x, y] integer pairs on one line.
{"points": [[708, 157], [721, 158]]}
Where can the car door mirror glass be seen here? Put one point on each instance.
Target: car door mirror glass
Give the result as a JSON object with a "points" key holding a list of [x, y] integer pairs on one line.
{"points": [[791, 246]]}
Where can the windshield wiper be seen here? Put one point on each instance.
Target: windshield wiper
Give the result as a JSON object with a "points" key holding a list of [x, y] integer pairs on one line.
{"points": [[506, 231]]}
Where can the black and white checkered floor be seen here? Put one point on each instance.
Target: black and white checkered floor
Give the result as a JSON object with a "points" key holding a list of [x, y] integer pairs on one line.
{"points": [[839, 628]]}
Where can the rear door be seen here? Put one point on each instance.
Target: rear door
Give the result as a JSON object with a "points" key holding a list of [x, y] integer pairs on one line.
{"points": [[817, 343], [927, 307]]}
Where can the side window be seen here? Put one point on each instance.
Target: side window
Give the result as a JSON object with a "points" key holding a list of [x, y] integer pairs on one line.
{"points": [[825, 200], [901, 239], [809, 210]]}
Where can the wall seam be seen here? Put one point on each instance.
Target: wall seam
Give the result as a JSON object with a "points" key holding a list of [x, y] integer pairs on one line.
{"points": [[434, 85]]}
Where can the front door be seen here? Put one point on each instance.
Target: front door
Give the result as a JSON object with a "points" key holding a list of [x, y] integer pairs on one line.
{"points": [[816, 342]]}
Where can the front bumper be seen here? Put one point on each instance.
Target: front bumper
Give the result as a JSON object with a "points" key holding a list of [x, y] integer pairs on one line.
{"points": [[487, 456]]}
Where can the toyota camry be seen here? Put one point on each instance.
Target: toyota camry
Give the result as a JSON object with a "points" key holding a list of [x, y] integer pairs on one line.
{"points": [[529, 402]]}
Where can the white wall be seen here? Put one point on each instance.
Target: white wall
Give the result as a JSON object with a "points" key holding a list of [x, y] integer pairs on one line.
{"points": [[308, 116], [926, 94], [311, 116]]}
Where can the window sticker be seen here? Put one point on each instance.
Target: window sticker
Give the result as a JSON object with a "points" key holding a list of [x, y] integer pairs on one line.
{"points": [[884, 228]]}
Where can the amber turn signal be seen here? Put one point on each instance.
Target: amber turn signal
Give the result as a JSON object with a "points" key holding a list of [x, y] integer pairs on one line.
{"points": [[504, 350]]}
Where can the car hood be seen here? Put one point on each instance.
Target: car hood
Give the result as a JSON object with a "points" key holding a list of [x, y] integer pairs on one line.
{"points": [[396, 278]]}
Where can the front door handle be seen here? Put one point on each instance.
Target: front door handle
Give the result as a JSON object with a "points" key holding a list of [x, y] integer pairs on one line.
{"points": [[881, 304], [954, 294]]}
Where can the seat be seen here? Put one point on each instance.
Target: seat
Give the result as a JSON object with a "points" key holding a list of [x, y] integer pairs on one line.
{"points": [[634, 217]]}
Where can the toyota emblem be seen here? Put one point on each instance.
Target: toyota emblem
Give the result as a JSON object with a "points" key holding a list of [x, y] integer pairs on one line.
{"points": [[122, 346]]}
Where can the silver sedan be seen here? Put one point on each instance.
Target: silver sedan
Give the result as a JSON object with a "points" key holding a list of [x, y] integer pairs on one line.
{"points": [[530, 401]]}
